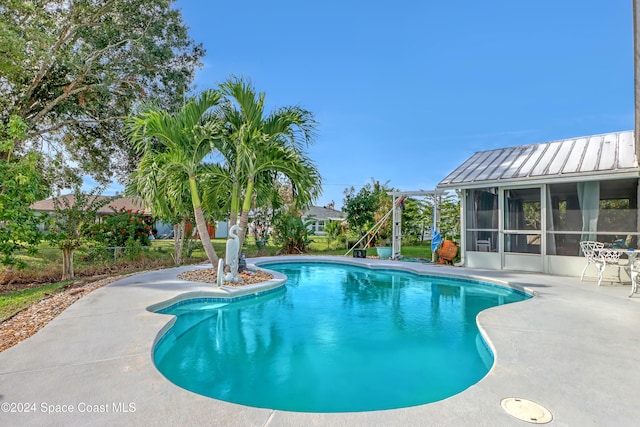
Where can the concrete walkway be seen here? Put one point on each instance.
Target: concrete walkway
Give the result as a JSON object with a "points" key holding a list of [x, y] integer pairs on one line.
{"points": [[574, 349]]}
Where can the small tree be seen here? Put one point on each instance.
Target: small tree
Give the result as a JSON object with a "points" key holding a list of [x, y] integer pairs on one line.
{"points": [[384, 205], [360, 208], [416, 219], [450, 216], [70, 227], [333, 230], [291, 233]]}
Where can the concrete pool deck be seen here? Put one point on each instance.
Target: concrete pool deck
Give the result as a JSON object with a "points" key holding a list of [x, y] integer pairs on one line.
{"points": [[573, 349]]}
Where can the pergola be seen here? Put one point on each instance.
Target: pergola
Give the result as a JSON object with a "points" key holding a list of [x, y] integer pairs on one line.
{"points": [[398, 198]]}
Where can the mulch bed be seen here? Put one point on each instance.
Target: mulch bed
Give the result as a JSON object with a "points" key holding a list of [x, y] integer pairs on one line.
{"points": [[210, 275], [27, 322]]}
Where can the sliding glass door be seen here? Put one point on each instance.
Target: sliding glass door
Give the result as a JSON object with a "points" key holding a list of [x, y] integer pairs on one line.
{"points": [[522, 219]]}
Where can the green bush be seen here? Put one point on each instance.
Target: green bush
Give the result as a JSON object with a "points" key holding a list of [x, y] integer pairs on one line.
{"points": [[133, 250], [97, 254], [334, 231], [291, 233], [117, 229]]}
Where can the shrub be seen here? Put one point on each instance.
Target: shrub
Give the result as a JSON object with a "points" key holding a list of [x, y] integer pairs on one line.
{"points": [[133, 250], [117, 229], [291, 233], [333, 230]]}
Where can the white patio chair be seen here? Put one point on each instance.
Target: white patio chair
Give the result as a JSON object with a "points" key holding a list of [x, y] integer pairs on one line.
{"points": [[604, 257], [635, 277], [589, 250]]}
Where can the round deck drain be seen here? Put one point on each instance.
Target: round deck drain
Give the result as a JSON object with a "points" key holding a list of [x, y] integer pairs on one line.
{"points": [[526, 410]]}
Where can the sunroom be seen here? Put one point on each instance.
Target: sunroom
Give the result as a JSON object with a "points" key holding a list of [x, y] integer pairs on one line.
{"points": [[528, 207]]}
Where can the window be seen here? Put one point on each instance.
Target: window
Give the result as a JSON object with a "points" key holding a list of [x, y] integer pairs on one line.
{"points": [[606, 211], [522, 220], [482, 219]]}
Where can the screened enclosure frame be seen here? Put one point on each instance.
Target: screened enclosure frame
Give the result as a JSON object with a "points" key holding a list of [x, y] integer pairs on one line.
{"points": [[566, 213]]}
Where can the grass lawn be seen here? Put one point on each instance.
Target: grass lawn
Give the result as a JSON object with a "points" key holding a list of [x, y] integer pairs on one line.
{"points": [[13, 302]]}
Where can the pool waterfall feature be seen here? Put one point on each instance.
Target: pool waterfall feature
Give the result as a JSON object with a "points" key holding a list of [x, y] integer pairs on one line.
{"points": [[288, 349]]}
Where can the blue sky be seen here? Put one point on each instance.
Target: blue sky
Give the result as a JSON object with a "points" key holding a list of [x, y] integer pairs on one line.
{"points": [[405, 91]]}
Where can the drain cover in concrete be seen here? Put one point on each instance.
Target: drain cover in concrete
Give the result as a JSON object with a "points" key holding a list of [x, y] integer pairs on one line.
{"points": [[526, 410]]}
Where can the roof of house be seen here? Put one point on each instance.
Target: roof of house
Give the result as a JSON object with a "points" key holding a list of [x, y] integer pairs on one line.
{"points": [[323, 213], [584, 158], [127, 203]]}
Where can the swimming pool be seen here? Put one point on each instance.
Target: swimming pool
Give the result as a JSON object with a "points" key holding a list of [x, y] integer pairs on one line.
{"points": [[339, 338]]}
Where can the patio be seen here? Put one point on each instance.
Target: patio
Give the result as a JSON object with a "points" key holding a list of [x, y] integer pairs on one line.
{"points": [[573, 349]]}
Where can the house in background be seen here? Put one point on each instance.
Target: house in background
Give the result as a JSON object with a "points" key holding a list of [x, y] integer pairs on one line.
{"points": [[134, 204], [47, 207], [320, 216], [528, 207]]}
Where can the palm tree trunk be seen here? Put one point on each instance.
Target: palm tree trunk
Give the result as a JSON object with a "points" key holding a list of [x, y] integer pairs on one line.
{"points": [[244, 216], [233, 217], [201, 223], [67, 264], [178, 237], [201, 226], [244, 219]]}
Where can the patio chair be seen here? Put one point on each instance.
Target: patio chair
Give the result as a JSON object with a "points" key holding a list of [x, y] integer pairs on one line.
{"points": [[635, 277], [483, 245], [606, 257], [590, 250]]}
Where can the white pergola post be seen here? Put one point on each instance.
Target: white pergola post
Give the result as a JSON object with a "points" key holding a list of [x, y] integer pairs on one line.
{"points": [[436, 219], [396, 238]]}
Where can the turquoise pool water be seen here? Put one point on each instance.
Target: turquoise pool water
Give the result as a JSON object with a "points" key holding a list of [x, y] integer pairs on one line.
{"points": [[338, 338]]}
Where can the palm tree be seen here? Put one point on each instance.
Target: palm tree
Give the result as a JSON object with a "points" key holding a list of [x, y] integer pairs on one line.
{"points": [[259, 149], [184, 143], [172, 205]]}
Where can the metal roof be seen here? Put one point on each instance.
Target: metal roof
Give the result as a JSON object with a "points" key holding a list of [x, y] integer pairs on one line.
{"points": [[322, 213], [570, 159]]}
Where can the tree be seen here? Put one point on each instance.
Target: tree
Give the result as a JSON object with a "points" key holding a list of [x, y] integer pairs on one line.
{"points": [[333, 230], [450, 216], [259, 149], [384, 205], [360, 208], [71, 223], [20, 186], [178, 145], [416, 219], [121, 227], [72, 70], [291, 233], [173, 206]]}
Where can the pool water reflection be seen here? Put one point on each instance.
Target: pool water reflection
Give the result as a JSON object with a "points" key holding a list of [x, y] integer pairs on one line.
{"points": [[339, 338]]}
